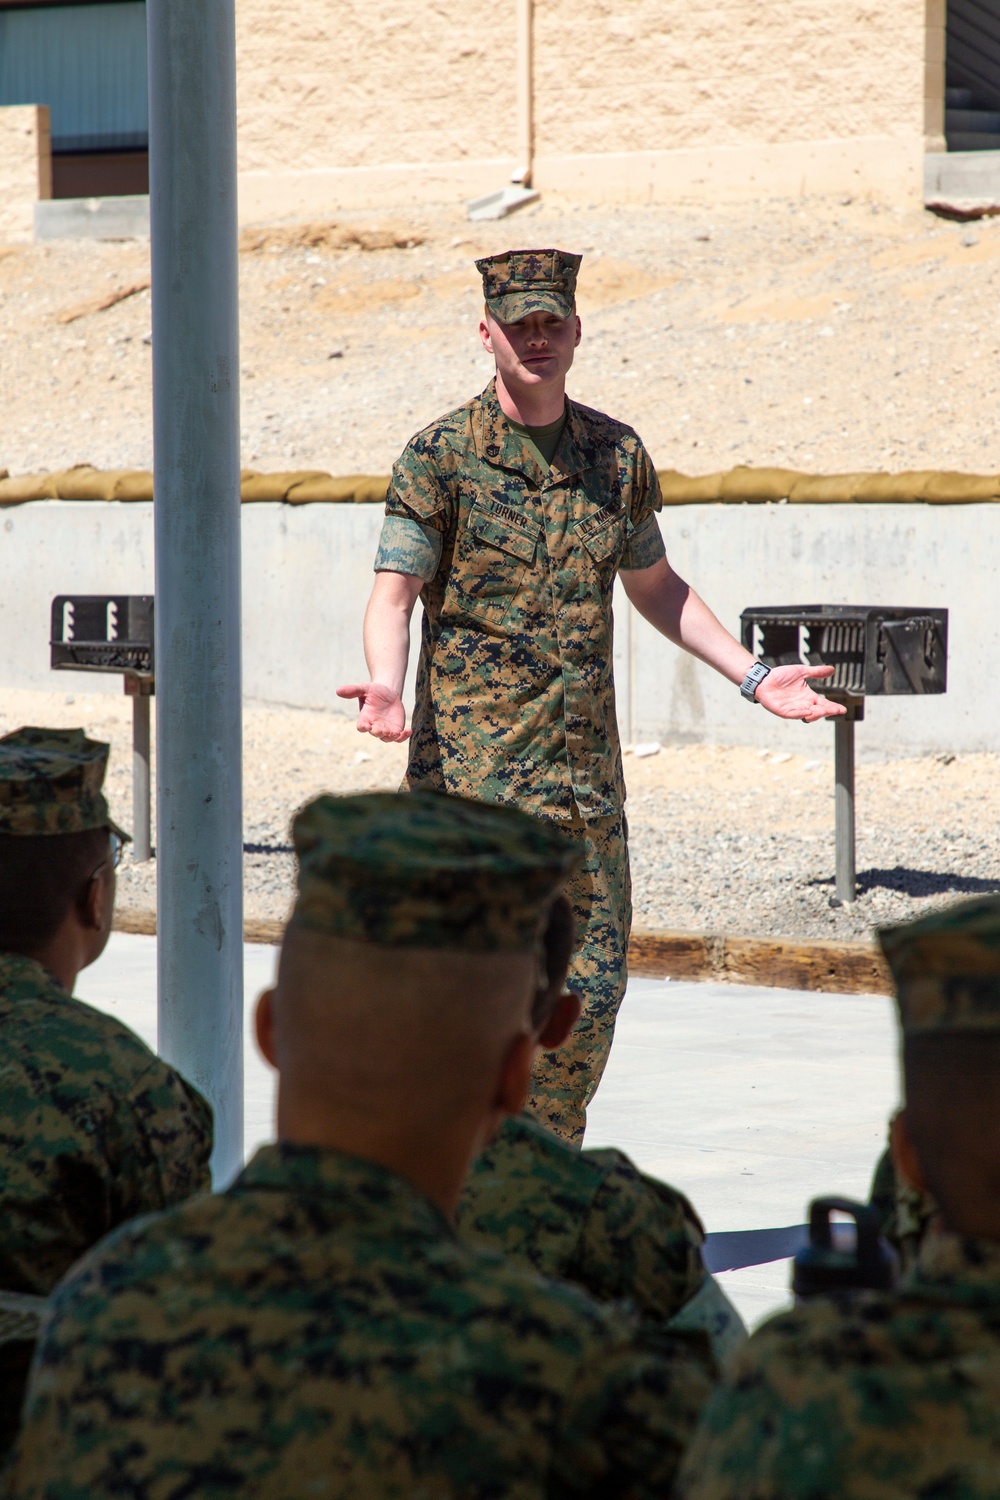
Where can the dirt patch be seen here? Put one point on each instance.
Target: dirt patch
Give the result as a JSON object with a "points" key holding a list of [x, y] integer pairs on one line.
{"points": [[326, 237], [704, 327]]}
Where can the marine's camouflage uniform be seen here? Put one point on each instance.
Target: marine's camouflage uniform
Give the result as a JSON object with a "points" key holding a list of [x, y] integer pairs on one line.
{"points": [[515, 692], [319, 1330], [593, 1218], [885, 1397], [94, 1129]]}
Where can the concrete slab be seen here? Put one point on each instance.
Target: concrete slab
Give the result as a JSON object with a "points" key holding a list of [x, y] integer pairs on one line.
{"points": [[752, 1101], [120, 218], [960, 177]]}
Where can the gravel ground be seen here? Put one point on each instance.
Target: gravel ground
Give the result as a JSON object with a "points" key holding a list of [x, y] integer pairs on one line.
{"points": [[823, 335], [728, 840]]}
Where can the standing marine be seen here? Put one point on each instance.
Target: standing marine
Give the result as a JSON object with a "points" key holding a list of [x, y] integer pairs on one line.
{"points": [[895, 1395], [94, 1128], [510, 519]]}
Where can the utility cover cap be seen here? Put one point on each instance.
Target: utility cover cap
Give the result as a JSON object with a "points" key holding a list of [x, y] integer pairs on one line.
{"points": [[520, 282]]}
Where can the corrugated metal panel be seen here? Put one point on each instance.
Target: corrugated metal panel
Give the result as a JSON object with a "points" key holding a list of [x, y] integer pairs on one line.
{"points": [[87, 63], [973, 49]]}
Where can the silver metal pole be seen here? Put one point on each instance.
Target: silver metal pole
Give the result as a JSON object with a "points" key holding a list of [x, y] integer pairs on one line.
{"points": [[192, 137], [525, 93], [141, 832], [843, 756]]}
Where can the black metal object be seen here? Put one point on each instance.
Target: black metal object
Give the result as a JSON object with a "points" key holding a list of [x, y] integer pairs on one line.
{"points": [[114, 633], [103, 633], [875, 651], [822, 1266]]}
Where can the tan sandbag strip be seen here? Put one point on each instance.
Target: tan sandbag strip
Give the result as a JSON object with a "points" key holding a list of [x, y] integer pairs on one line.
{"points": [[740, 486], [354, 489], [275, 486], [762, 486], [775, 963]]}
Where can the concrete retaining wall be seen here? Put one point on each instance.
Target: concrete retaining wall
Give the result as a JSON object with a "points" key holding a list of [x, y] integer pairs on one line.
{"points": [[307, 575]]}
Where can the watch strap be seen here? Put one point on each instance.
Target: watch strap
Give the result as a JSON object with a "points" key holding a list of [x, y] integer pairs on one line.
{"points": [[753, 680]]}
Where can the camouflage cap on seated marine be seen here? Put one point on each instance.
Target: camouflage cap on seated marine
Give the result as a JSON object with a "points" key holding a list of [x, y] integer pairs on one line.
{"points": [[50, 782], [426, 870], [947, 968], [520, 282]]}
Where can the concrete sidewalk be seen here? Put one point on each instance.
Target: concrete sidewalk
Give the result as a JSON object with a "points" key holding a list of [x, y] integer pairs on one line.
{"points": [[752, 1101]]}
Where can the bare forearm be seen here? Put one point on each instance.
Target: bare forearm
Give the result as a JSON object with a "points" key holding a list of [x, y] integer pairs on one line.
{"points": [[676, 611], [387, 629]]}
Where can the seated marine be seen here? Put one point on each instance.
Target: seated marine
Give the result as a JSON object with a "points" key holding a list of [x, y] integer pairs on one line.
{"points": [[94, 1128], [591, 1216], [886, 1395], [318, 1329]]}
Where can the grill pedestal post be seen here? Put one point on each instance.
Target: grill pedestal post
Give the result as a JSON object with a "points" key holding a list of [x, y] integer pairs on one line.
{"points": [[843, 765], [140, 692]]}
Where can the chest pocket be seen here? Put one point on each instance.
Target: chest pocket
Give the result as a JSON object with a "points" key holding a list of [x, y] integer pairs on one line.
{"points": [[493, 552], [603, 535]]}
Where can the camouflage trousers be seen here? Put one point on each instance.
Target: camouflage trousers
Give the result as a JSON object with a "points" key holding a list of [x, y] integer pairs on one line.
{"points": [[601, 895]]}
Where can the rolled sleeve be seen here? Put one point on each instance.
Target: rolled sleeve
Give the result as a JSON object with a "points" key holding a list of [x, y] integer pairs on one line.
{"points": [[407, 545], [644, 546]]}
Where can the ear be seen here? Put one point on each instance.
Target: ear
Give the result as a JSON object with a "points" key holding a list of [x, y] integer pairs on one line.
{"points": [[560, 1021], [264, 1026], [95, 905], [904, 1153], [579, 332], [485, 336]]}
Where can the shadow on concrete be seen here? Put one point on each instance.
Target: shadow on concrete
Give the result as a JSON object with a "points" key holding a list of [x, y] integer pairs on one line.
{"points": [[731, 1250], [917, 882]]}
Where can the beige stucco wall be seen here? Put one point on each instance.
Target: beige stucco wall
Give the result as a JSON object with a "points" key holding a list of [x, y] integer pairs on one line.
{"points": [[363, 83], [25, 168], [362, 102]]}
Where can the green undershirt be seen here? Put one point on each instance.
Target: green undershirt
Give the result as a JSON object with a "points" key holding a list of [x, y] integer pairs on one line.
{"points": [[542, 440]]}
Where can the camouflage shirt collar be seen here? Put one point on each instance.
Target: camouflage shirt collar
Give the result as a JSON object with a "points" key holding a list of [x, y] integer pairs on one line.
{"points": [[497, 442], [345, 1188], [26, 974], [962, 1268]]}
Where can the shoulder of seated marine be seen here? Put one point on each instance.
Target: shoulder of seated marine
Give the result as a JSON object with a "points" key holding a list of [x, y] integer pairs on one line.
{"points": [[375, 1261], [530, 1191], [526, 1162], [43, 1025], [920, 1332]]}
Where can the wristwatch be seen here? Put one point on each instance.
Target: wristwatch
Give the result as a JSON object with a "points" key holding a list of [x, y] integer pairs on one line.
{"points": [[753, 680]]}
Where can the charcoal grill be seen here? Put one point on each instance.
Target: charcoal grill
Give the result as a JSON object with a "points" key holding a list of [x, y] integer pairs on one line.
{"points": [[114, 633], [875, 651]]}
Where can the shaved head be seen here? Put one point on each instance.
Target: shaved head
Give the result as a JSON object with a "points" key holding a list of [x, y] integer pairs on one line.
{"points": [[368, 1028]]}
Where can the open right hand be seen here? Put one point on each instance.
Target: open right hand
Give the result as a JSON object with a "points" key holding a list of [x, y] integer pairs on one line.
{"points": [[380, 711]]}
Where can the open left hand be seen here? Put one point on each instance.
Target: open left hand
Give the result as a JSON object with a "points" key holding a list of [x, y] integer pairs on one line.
{"points": [[786, 693]]}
